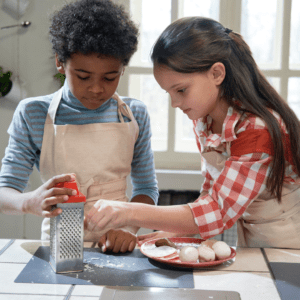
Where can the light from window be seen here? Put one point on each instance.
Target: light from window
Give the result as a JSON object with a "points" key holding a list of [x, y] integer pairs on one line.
{"points": [[275, 82], [203, 8], [295, 37], [293, 94], [153, 17], [146, 89], [261, 26]]}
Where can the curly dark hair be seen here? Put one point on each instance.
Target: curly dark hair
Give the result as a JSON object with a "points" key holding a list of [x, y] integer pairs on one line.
{"points": [[93, 26]]}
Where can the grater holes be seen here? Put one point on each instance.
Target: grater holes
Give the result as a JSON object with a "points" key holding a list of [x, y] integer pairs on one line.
{"points": [[70, 232]]}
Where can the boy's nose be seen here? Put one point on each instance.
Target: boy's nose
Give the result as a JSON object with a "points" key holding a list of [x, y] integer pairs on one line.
{"points": [[97, 88]]}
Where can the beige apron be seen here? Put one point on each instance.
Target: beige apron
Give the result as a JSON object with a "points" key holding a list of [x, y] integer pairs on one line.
{"points": [[265, 223], [100, 154]]}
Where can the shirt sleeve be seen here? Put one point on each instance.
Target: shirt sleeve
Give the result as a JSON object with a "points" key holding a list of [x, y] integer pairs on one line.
{"points": [[242, 179], [21, 152], [143, 175]]}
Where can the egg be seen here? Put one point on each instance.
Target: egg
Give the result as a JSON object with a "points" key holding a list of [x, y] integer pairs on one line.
{"points": [[221, 249], [206, 254], [188, 254]]}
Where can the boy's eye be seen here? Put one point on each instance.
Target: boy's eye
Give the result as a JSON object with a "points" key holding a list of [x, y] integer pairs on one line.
{"points": [[110, 79], [83, 78], [182, 90]]}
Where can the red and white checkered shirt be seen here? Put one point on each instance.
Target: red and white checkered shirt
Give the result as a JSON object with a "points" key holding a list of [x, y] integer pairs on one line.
{"points": [[246, 148]]}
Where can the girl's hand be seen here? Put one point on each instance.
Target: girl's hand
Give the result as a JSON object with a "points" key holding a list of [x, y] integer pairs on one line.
{"points": [[117, 240], [106, 215], [158, 235], [42, 199]]}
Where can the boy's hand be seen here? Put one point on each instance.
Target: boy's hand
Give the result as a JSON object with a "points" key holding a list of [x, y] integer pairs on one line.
{"points": [[42, 199], [118, 240]]}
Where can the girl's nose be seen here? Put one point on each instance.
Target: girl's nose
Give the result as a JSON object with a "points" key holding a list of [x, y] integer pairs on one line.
{"points": [[175, 102]]}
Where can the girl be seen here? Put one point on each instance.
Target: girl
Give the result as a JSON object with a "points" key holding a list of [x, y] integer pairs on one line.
{"points": [[247, 135], [85, 128]]}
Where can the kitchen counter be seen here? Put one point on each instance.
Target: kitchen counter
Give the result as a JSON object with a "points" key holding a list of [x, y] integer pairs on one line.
{"points": [[248, 274]]}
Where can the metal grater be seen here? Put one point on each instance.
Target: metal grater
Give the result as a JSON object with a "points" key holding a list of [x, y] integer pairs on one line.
{"points": [[66, 233]]}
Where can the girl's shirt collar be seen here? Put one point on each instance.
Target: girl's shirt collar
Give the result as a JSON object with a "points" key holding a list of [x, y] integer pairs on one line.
{"points": [[203, 128]]}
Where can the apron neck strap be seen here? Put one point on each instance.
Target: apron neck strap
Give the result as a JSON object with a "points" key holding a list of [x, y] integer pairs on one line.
{"points": [[123, 108], [53, 107]]}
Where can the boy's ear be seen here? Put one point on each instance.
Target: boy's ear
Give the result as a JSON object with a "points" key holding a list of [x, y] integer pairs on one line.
{"points": [[59, 65], [218, 72]]}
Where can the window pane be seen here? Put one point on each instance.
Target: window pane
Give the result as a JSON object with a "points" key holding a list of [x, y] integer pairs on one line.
{"points": [[185, 140], [204, 8], [261, 26], [293, 94], [295, 36], [153, 16], [275, 82], [146, 89]]}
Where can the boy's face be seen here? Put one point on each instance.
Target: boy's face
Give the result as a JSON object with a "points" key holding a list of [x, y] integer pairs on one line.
{"points": [[92, 79]]}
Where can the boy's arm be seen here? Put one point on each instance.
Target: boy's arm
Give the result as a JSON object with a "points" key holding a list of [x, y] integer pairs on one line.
{"points": [[38, 202], [144, 182]]}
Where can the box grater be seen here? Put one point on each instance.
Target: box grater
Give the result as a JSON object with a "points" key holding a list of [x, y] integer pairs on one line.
{"points": [[66, 233]]}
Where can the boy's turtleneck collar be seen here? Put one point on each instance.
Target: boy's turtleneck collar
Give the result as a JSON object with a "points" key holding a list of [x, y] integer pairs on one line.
{"points": [[71, 100]]}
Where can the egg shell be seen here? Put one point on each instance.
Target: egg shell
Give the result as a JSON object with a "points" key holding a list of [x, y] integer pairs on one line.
{"points": [[221, 249], [206, 254], [188, 253]]}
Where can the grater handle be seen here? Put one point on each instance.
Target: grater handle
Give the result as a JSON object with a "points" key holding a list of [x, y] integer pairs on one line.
{"points": [[79, 197]]}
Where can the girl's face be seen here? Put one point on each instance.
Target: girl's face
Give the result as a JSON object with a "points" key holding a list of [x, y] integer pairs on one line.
{"points": [[196, 94], [92, 79]]}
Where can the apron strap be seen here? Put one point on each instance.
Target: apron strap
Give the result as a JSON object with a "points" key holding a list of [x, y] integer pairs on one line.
{"points": [[123, 108], [50, 119]]}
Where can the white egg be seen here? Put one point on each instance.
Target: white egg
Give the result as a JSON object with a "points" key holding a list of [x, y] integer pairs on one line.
{"points": [[221, 249], [188, 253], [206, 254]]}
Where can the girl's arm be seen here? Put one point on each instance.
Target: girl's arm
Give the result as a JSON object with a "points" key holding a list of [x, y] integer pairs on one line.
{"points": [[106, 215], [240, 182]]}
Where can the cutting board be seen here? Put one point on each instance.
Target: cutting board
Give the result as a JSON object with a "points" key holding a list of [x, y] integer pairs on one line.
{"points": [[128, 269]]}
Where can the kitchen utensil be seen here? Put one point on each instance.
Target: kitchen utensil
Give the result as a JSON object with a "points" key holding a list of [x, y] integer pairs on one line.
{"points": [[66, 233], [23, 24]]}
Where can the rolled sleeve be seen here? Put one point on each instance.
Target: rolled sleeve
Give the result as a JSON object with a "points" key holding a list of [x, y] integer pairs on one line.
{"points": [[239, 183]]}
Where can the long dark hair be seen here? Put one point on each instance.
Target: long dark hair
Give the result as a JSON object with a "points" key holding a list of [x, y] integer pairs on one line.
{"points": [[194, 44]]}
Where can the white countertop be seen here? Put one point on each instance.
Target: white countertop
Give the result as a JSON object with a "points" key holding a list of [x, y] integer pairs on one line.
{"points": [[247, 274]]}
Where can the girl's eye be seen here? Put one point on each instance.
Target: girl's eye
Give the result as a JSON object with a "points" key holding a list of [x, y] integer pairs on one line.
{"points": [[181, 91], [83, 78]]}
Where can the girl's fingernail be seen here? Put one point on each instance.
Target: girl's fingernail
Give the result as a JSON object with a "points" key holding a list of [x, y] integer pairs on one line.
{"points": [[66, 198], [74, 192]]}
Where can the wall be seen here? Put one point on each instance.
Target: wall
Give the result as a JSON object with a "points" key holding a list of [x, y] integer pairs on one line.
{"points": [[27, 53]]}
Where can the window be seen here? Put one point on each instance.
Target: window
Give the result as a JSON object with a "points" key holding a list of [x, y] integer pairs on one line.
{"points": [[270, 27]]}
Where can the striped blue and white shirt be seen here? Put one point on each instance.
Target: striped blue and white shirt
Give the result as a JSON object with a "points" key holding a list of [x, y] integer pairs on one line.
{"points": [[26, 136]]}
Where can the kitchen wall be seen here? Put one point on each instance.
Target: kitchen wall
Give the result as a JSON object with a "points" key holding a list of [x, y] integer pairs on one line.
{"points": [[27, 53]]}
